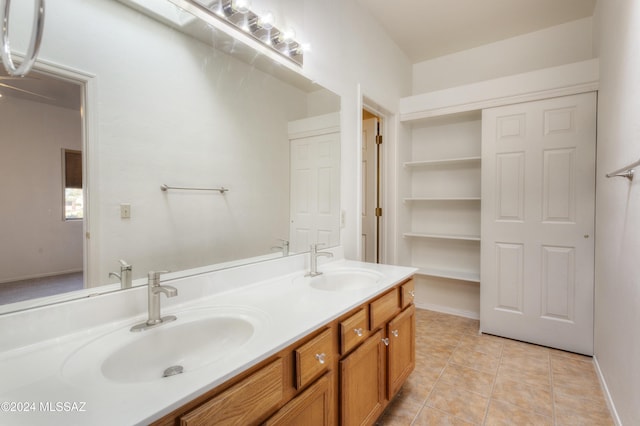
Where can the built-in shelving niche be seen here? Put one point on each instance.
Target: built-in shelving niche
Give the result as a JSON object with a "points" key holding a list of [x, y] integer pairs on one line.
{"points": [[442, 196]]}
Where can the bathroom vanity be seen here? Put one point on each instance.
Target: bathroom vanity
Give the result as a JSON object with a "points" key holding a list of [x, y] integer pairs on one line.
{"points": [[284, 348], [349, 369]]}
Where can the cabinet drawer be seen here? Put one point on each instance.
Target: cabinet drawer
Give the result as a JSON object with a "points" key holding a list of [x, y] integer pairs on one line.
{"points": [[382, 309], [246, 403], [353, 330], [407, 293], [313, 358]]}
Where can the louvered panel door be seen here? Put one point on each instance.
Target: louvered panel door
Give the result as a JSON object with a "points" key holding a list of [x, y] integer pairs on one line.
{"points": [[538, 209]]}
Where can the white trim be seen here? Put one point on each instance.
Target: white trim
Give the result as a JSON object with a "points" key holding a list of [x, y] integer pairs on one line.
{"points": [[564, 80], [448, 310], [607, 394]]}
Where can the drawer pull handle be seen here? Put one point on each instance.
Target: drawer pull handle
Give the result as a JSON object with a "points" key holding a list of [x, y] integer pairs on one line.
{"points": [[358, 331], [395, 333], [412, 293], [321, 357], [385, 341]]}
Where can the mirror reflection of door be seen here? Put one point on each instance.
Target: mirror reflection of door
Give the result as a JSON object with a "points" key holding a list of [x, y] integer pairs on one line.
{"points": [[315, 182], [41, 182], [371, 210]]}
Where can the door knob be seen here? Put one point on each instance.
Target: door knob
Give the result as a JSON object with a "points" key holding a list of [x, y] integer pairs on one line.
{"points": [[321, 357]]}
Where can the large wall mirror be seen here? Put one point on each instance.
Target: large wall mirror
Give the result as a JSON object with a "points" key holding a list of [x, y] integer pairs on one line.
{"points": [[124, 100]]}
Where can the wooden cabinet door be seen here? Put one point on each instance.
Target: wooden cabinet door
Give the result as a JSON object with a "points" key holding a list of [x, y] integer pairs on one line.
{"points": [[362, 383], [401, 351], [313, 407]]}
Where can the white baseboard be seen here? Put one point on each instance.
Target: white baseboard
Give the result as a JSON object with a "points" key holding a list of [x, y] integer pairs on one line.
{"points": [[448, 310], [607, 394]]}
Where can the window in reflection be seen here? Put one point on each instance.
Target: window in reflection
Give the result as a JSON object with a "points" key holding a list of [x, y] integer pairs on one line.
{"points": [[73, 198]]}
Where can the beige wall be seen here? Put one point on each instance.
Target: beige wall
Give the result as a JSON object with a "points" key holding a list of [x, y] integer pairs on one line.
{"points": [[35, 240], [617, 308], [558, 45]]}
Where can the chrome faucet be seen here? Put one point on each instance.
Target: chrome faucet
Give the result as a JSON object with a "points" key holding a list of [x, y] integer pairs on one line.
{"points": [[125, 274], [284, 247], [313, 260], [155, 319]]}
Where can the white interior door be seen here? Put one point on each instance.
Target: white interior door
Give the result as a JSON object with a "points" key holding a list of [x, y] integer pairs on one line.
{"points": [[369, 131], [538, 209], [315, 191]]}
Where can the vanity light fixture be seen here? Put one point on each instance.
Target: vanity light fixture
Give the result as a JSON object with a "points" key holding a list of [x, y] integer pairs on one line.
{"points": [[238, 14]]}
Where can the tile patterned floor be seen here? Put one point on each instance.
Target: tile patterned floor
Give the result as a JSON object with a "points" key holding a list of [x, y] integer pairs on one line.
{"points": [[463, 378]]}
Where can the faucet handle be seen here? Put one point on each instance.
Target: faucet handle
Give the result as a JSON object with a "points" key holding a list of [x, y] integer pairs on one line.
{"points": [[124, 265], [154, 277]]}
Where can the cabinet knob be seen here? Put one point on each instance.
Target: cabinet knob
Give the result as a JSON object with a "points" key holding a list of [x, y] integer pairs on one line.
{"points": [[358, 331], [395, 333], [385, 341], [412, 293], [321, 357]]}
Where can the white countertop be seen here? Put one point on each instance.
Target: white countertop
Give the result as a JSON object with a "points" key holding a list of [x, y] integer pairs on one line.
{"points": [[35, 378]]}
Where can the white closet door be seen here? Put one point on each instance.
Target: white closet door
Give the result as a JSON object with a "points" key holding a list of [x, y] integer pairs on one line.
{"points": [[315, 191], [538, 209]]}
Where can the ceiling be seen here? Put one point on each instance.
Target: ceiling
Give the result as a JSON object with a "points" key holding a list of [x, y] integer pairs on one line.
{"points": [[423, 29], [426, 29], [42, 88]]}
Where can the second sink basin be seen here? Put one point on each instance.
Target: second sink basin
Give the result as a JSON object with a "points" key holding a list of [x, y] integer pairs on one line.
{"points": [[197, 338], [345, 279]]}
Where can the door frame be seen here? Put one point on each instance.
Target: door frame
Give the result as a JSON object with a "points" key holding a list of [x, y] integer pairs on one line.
{"points": [[90, 149], [388, 131], [372, 185]]}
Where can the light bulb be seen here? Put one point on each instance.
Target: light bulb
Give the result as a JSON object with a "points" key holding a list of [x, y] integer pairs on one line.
{"points": [[241, 6], [266, 20], [288, 35], [219, 10]]}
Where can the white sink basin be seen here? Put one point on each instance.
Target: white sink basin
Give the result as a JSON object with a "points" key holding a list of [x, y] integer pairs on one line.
{"points": [[345, 279], [197, 338]]}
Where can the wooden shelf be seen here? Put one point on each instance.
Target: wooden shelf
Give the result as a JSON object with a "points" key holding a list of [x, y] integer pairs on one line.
{"points": [[454, 275], [409, 199], [445, 161], [442, 236], [443, 200]]}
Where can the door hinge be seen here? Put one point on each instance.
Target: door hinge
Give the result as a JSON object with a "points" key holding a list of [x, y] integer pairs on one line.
{"points": [[378, 139], [378, 211]]}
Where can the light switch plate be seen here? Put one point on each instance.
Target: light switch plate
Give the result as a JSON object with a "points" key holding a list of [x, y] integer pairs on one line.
{"points": [[125, 211]]}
